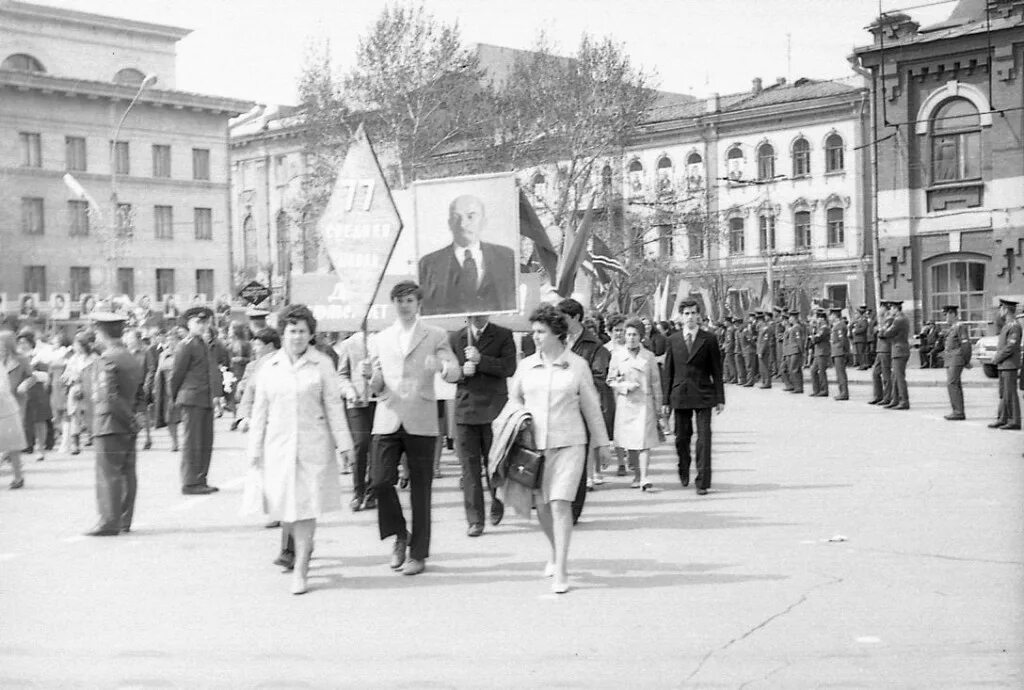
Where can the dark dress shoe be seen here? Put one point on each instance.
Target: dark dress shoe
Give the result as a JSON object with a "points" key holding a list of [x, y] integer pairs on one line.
{"points": [[398, 554], [101, 532], [621, 472], [997, 425], [285, 559], [475, 530], [126, 529], [356, 504], [702, 492], [892, 405], [1011, 427], [955, 417], [17, 484], [200, 490], [274, 524], [497, 512], [904, 406], [875, 401], [369, 503], [684, 480], [842, 397]]}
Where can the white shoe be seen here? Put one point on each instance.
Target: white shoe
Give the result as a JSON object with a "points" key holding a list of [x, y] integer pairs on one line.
{"points": [[549, 569], [560, 586], [598, 480]]}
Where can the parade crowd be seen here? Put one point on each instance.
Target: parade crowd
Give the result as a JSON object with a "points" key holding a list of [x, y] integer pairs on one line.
{"points": [[537, 421]]}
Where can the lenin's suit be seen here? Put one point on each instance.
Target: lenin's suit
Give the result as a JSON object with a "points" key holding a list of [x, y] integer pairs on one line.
{"points": [[195, 382], [445, 290], [117, 395]]}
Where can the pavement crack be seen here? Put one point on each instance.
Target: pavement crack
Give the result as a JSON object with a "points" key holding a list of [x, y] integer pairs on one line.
{"points": [[944, 557], [763, 624]]}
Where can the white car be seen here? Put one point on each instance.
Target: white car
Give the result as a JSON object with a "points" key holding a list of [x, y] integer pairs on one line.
{"points": [[984, 351]]}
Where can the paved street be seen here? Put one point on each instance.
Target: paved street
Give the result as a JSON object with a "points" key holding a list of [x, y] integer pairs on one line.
{"points": [[740, 589]]}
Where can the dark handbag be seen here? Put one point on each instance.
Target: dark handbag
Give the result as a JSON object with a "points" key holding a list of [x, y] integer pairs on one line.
{"points": [[525, 466]]}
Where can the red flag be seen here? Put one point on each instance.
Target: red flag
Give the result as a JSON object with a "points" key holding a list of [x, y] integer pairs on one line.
{"points": [[574, 254], [530, 226]]}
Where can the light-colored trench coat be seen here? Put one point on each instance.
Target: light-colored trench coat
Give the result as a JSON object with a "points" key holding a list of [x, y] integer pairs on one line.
{"points": [[298, 423], [637, 386]]}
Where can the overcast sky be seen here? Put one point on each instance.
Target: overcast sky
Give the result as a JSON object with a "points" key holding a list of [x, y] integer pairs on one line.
{"points": [[253, 49]]}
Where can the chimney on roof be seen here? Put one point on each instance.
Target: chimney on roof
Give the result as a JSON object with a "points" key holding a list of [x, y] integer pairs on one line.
{"points": [[780, 81], [893, 27], [757, 86], [713, 103]]}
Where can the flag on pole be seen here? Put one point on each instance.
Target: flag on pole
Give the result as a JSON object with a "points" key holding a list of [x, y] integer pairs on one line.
{"points": [[531, 227], [604, 263], [574, 249]]}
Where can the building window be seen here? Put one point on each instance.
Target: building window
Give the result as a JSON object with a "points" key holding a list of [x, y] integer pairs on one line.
{"points": [[126, 281], [284, 245], [23, 63], [129, 76], [695, 241], [125, 220], [163, 223], [956, 142], [665, 248], [164, 282], [837, 295], [737, 241], [200, 164], [161, 160], [767, 232], [122, 161], [734, 163], [81, 281], [694, 171], [834, 154], [664, 175], [32, 215], [78, 218], [606, 178], [249, 259], [74, 153], [802, 230], [31, 149], [836, 231], [635, 172], [204, 282], [801, 158], [35, 280], [282, 171], [961, 283], [203, 221], [538, 184], [765, 162]]}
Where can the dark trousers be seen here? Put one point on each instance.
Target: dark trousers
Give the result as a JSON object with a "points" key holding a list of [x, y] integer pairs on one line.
{"points": [[765, 368], [787, 383], [860, 355], [780, 361], [684, 432], [741, 368], [899, 381], [796, 372], [197, 444], [881, 377], [116, 482], [360, 421], [819, 374], [955, 388], [729, 368], [750, 360], [1009, 403], [841, 380], [472, 444], [386, 450]]}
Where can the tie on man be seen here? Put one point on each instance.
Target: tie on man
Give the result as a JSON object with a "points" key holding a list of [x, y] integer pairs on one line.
{"points": [[468, 278], [689, 342]]}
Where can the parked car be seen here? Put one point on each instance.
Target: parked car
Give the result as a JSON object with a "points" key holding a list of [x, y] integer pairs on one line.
{"points": [[984, 351]]}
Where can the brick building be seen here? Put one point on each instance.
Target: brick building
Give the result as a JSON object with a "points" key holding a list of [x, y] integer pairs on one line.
{"points": [[94, 97]]}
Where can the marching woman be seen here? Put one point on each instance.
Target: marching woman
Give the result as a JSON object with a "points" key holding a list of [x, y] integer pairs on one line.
{"points": [[17, 375], [633, 375], [557, 388], [298, 422]]}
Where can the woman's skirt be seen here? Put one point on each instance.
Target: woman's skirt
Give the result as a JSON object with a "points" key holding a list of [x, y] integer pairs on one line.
{"points": [[563, 468]]}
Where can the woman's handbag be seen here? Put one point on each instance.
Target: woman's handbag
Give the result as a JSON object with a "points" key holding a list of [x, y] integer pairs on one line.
{"points": [[525, 466]]}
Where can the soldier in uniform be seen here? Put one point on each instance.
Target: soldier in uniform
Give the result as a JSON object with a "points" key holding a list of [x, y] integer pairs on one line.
{"points": [[1008, 360], [780, 337], [899, 340], [860, 338], [820, 338], [881, 372], [794, 350], [117, 396], [872, 338], [749, 346], [765, 349], [956, 355], [729, 351], [839, 346], [741, 367]]}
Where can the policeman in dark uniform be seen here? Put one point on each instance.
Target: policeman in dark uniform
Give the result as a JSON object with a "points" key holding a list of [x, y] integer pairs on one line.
{"points": [[860, 338], [117, 396], [839, 346], [748, 341], [822, 352], [1008, 360], [794, 351], [741, 366], [729, 351], [899, 340], [956, 355], [881, 372], [195, 382], [780, 338], [765, 349], [869, 314]]}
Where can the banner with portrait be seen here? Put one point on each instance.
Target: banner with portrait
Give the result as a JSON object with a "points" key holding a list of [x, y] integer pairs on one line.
{"points": [[60, 306], [86, 304], [28, 305], [173, 305], [467, 244]]}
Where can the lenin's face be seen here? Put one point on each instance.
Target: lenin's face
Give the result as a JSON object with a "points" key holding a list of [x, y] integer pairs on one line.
{"points": [[466, 220]]}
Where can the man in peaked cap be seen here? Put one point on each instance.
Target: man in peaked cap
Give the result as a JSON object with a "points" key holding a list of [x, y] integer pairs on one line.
{"points": [[839, 346], [820, 338], [860, 338], [881, 371], [899, 338], [956, 355], [1007, 360], [794, 351], [117, 396], [195, 382], [765, 349], [748, 340]]}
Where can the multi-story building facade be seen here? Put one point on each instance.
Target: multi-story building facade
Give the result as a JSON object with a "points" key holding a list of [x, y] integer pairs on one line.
{"points": [[948, 119], [112, 181]]}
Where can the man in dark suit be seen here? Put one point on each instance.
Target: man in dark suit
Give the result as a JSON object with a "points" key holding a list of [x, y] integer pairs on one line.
{"points": [[468, 276], [117, 396], [692, 381], [195, 382], [487, 355]]}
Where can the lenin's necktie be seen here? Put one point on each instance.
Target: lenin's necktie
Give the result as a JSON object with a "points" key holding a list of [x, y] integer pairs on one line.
{"points": [[468, 278]]}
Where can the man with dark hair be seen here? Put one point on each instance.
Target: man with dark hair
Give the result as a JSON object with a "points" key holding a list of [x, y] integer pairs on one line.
{"points": [[956, 355], [1008, 360], [359, 410], [117, 396], [195, 383], [692, 384], [587, 345], [404, 358]]}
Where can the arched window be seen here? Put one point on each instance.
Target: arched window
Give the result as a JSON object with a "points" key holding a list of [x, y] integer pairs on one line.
{"points": [[836, 231], [801, 158], [129, 76], [694, 171], [606, 177], [767, 230], [664, 174], [636, 177], [249, 244], [694, 159], [956, 141], [284, 244], [695, 240], [958, 282], [539, 184], [734, 163], [737, 239], [802, 230], [834, 154], [23, 62], [765, 162]]}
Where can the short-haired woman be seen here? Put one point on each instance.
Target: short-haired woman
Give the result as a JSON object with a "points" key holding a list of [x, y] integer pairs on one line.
{"points": [[298, 423], [557, 388], [633, 375]]}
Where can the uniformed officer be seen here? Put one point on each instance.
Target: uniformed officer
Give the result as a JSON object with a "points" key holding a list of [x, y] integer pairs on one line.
{"points": [[820, 338], [257, 318], [1008, 360], [195, 382], [794, 351], [765, 349], [780, 336], [749, 345], [117, 396], [860, 338], [839, 346], [956, 355], [738, 358], [872, 318], [729, 352], [899, 339], [881, 372]]}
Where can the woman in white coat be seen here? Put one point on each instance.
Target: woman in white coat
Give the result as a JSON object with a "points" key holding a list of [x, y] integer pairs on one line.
{"points": [[298, 424], [633, 375]]}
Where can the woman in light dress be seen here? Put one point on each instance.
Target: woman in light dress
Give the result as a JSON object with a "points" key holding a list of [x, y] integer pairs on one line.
{"points": [[17, 377], [77, 379], [298, 424], [633, 375]]}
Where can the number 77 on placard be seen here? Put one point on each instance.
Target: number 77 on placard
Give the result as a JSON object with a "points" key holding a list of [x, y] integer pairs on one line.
{"points": [[353, 187]]}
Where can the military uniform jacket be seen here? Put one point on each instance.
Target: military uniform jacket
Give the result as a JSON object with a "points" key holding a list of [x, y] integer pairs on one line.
{"points": [[117, 393], [748, 340], [765, 339], [195, 376], [794, 340], [860, 330], [780, 334], [1007, 355], [957, 349], [839, 342], [884, 344], [898, 333], [729, 341], [821, 339]]}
